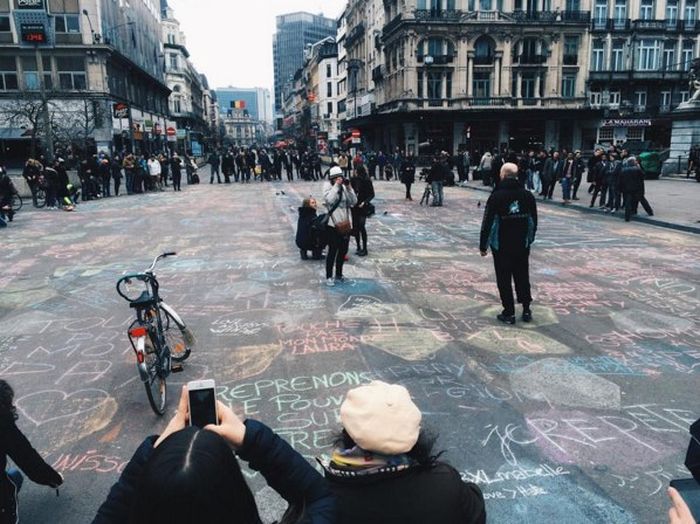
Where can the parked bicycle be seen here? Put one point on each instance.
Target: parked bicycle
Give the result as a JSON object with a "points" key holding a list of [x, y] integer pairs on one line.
{"points": [[17, 202], [159, 337]]}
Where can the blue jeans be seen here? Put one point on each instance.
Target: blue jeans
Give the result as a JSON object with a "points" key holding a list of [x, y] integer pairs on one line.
{"points": [[129, 181], [437, 193], [566, 188], [16, 478]]}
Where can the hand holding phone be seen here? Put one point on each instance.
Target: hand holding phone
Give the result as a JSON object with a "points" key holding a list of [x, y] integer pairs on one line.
{"points": [[230, 427], [202, 407], [685, 496]]}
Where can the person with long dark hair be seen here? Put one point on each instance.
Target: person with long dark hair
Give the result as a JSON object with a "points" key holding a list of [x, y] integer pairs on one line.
{"points": [[15, 445], [383, 468], [191, 476], [364, 189]]}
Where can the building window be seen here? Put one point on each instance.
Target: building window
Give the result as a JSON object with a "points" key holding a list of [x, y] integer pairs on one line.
{"points": [[483, 51], [435, 86], [620, 15], [635, 133], [687, 54], [596, 98], [448, 84], [329, 108], [618, 56], [669, 57], [329, 89], [177, 105], [690, 12], [598, 56], [527, 85], [571, 49], [614, 100], [5, 24], [646, 10], [420, 84], [329, 71], [665, 100], [640, 101], [71, 73], [685, 96], [648, 55], [605, 134], [67, 23], [568, 86], [481, 85], [601, 11], [171, 38], [671, 12], [174, 64], [8, 73]]}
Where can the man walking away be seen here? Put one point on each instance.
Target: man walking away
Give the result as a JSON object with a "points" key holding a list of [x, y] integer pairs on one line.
{"points": [[408, 174], [176, 170], [551, 175], [436, 179], [632, 182], [214, 162], [509, 228]]}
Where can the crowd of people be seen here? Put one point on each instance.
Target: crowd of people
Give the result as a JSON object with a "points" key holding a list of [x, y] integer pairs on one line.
{"points": [[614, 177]]}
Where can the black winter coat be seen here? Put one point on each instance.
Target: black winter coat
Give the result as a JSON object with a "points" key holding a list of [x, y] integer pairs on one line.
{"points": [[510, 219], [632, 180], [408, 171], [364, 189], [284, 469], [414, 496], [15, 445], [306, 239]]}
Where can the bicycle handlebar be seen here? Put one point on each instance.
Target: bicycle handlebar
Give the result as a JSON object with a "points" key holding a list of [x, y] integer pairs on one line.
{"points": [[155, 260]]}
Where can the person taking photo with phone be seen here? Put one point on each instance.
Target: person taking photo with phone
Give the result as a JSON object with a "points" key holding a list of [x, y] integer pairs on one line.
{"points": [[338, 197], [191, 475], [15, 445]]}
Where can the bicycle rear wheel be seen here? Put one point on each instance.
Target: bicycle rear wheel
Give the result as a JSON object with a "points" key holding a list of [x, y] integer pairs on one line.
{"points": [[177, 337], [17, 202], [156, 387], [40, 198]]}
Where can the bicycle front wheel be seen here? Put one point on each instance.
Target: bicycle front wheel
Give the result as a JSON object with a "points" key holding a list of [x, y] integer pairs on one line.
{"points": [[17, 202], [156, 387], [177, 337], [40, 198]]}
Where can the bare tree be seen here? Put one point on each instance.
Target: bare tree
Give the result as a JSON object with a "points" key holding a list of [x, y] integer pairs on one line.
{"points": [[78, 120], [28, 112]]}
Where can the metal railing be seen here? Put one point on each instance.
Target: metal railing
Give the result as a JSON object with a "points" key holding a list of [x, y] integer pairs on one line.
{"points": [[438, 14]]}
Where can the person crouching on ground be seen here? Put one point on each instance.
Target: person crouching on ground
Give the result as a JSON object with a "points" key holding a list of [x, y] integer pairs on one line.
{"points": [[339, 198], [307, 239], [383, 468], [509, 227], [15, 445], [190, 475]]}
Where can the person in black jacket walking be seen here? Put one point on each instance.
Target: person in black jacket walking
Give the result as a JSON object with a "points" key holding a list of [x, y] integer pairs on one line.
{"points": [[364, 189], [15, 445], [436, 179], [632, 185], [509, 228], [408, 173], [191, 475]]}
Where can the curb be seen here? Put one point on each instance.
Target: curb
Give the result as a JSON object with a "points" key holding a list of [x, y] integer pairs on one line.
{"points": [[580, 209]]}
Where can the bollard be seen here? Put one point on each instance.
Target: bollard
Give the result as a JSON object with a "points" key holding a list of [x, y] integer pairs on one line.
{"points": [[679, 164]]}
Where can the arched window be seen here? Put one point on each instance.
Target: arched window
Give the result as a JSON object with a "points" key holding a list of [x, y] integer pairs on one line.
{"points": [[484, 50], [440, 50]]}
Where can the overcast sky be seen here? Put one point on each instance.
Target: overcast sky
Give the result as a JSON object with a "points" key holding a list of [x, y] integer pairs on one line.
{"points": [[230, 41]]}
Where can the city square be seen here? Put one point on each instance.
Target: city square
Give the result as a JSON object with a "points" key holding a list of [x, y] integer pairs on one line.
{"points": [[349, 261]]}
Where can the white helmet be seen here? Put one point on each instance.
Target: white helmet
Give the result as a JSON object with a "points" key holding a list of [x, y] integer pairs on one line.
{"points": [[335, 172]]}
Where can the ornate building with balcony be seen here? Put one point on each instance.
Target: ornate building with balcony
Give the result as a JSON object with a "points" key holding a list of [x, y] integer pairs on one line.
{"points": [[641, 51], [480, 74]]}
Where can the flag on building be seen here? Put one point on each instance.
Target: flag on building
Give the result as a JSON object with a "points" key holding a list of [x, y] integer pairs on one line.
{"points": [[238, 104]]}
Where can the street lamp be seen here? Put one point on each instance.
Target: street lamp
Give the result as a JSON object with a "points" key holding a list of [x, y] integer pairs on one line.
{"points": [[96, 37]]}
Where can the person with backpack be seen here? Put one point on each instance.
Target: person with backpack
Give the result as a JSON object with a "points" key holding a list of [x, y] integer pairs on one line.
{"points": [[383, 468], [14, 444], [307, 239], [192, 475]]}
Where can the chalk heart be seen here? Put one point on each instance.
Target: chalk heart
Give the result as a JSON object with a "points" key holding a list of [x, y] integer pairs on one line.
{"points": [[365, 306], [248, 361], [48, 406], [411, 343]]}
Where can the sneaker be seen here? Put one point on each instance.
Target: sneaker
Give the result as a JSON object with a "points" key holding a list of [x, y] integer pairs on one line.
{"points": [[330, 282], [527, 315], [506, 319]]}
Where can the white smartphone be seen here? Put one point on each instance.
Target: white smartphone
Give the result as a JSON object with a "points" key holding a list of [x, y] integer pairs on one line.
{"points": [[202, 403]]}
